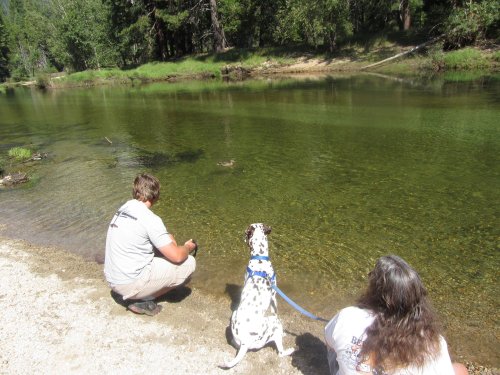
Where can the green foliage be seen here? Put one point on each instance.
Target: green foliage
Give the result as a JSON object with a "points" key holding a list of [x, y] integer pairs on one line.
{"points": [[30, 33], [496, 56], [37, 37], [250, 23], [19, 153], [229, 11], [4, 51], [155, 30], [55, 35], [136, 43], [320, 23], [173, 21], [83, 35], [369, 16], [472, 22]]}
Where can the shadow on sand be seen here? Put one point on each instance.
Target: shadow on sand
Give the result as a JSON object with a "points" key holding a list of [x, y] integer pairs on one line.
{"points": [[174, 296], [310, 355]]}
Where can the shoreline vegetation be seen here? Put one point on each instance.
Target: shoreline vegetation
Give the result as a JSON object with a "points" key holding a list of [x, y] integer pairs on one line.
{"points": [[235, 65]]}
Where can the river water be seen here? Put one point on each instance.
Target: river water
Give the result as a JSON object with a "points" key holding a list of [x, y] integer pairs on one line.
{"points": [[344, 168]]}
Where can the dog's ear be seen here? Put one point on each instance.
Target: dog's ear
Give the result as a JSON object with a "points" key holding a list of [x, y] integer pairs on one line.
{"points": [[249, 232], [267, 229]]}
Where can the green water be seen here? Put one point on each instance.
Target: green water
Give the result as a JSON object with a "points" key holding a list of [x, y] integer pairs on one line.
{"points": [[345, 169]]}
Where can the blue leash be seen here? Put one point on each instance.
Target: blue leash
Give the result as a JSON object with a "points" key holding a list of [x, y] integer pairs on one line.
{"points": [[272, 280], [295, 306]]}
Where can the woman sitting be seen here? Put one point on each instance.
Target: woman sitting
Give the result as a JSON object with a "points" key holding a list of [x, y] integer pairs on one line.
{"points": [[392, 329]]}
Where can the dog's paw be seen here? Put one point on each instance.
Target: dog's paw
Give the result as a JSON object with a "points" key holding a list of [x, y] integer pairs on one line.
{"points": [[223, 366], [286, 352], [227, 364]]}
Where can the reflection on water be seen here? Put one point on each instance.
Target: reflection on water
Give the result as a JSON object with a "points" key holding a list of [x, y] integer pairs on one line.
{"points": [[345, 169]]}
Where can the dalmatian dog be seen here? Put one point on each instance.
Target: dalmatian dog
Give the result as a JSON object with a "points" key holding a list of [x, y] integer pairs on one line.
{"points": [[252, 326]]}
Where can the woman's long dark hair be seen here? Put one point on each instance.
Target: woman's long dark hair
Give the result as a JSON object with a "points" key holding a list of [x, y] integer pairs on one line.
{"points": [[405, 330]]}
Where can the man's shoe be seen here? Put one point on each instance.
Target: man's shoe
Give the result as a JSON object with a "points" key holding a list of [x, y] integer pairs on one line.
{"points": [[145, 307]]}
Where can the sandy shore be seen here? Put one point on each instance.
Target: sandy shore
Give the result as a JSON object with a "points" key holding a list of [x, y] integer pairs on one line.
{"points": [[58, 317]]}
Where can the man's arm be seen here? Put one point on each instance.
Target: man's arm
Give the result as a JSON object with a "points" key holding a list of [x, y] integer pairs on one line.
{"points": [[177, 254]]}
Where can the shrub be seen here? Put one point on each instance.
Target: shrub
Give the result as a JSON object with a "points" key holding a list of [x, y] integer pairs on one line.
{"points": [[472, 22], [437, 60], [42, 80]]}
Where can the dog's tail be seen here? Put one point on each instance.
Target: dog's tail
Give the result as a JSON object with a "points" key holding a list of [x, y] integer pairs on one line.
{"points": [[241, 353]]}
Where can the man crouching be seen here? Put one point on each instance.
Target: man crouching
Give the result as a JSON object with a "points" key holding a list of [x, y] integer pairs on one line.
{"points": [[131, 267]]}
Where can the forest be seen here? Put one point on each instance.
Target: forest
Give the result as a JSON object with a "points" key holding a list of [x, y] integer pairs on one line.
{"points": [[76, 35]]}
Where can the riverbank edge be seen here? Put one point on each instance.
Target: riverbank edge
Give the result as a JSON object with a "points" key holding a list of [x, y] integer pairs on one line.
{"points": [[191, 313], [347, 61]]}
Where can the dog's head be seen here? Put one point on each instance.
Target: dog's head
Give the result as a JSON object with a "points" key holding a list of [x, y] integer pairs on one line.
{"points": [[256, 238]]}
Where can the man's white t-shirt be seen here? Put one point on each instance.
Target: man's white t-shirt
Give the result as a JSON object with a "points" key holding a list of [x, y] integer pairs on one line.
{"points": [[344, 335], [133, 234]]}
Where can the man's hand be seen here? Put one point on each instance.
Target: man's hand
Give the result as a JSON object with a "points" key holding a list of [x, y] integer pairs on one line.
{"points": [[191, 245]]}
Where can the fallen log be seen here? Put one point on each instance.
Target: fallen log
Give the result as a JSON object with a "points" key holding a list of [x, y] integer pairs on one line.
{"points": [[404, 53]]}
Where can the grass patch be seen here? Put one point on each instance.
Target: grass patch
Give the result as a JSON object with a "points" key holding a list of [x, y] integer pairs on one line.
{"points": [[91, 76], [465, 59], [206, 65], [188, 66], [20, 153]]}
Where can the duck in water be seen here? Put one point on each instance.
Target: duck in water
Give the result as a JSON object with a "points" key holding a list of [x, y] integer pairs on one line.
{"points": [[227, 163]]}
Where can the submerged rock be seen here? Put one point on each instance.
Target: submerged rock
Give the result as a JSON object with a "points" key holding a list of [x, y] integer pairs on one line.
{"points": [[14, 179], [235, 72]]}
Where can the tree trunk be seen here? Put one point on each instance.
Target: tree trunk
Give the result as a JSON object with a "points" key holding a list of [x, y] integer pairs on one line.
{"points": [[220, 43], [160, 40], [404, 11], [158, 30], [332, 41], [96, 58]]}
